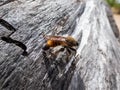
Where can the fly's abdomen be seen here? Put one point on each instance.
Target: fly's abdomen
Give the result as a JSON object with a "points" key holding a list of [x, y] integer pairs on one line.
{"points": [[57, 43]]}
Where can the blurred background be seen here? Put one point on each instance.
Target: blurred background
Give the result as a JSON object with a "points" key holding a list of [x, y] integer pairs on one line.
{"points": [[115, 7]]}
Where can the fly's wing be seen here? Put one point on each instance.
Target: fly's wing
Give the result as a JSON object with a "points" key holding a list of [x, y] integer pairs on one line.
{"points": [[55, 38]]}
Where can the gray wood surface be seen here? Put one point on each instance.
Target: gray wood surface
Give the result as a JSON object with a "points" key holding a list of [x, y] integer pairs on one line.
{"points": [[95, 66]]}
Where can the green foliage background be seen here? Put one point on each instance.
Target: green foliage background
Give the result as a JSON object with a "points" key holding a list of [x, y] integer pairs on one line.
{"points": [[113, 3]]}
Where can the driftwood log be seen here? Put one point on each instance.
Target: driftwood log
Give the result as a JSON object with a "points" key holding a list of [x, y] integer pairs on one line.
{"points": [[95, 66]]}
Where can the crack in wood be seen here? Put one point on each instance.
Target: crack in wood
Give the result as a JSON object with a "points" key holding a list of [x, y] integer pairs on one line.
{"points": [[7, 25], [17, 43], [6, 2], [10, 40]]}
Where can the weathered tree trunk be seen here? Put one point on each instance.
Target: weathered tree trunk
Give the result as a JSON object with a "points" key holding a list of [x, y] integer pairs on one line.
{"points": [[95, 66]]}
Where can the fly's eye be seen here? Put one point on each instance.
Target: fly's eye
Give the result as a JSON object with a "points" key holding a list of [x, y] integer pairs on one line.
{"points": [[77, 44]]}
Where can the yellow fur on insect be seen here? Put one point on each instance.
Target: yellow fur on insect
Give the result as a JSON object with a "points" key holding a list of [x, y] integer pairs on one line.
{"points": [[53, 41]]}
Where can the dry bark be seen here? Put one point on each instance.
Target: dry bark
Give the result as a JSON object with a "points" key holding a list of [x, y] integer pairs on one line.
{"points": [[95, 66]]}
